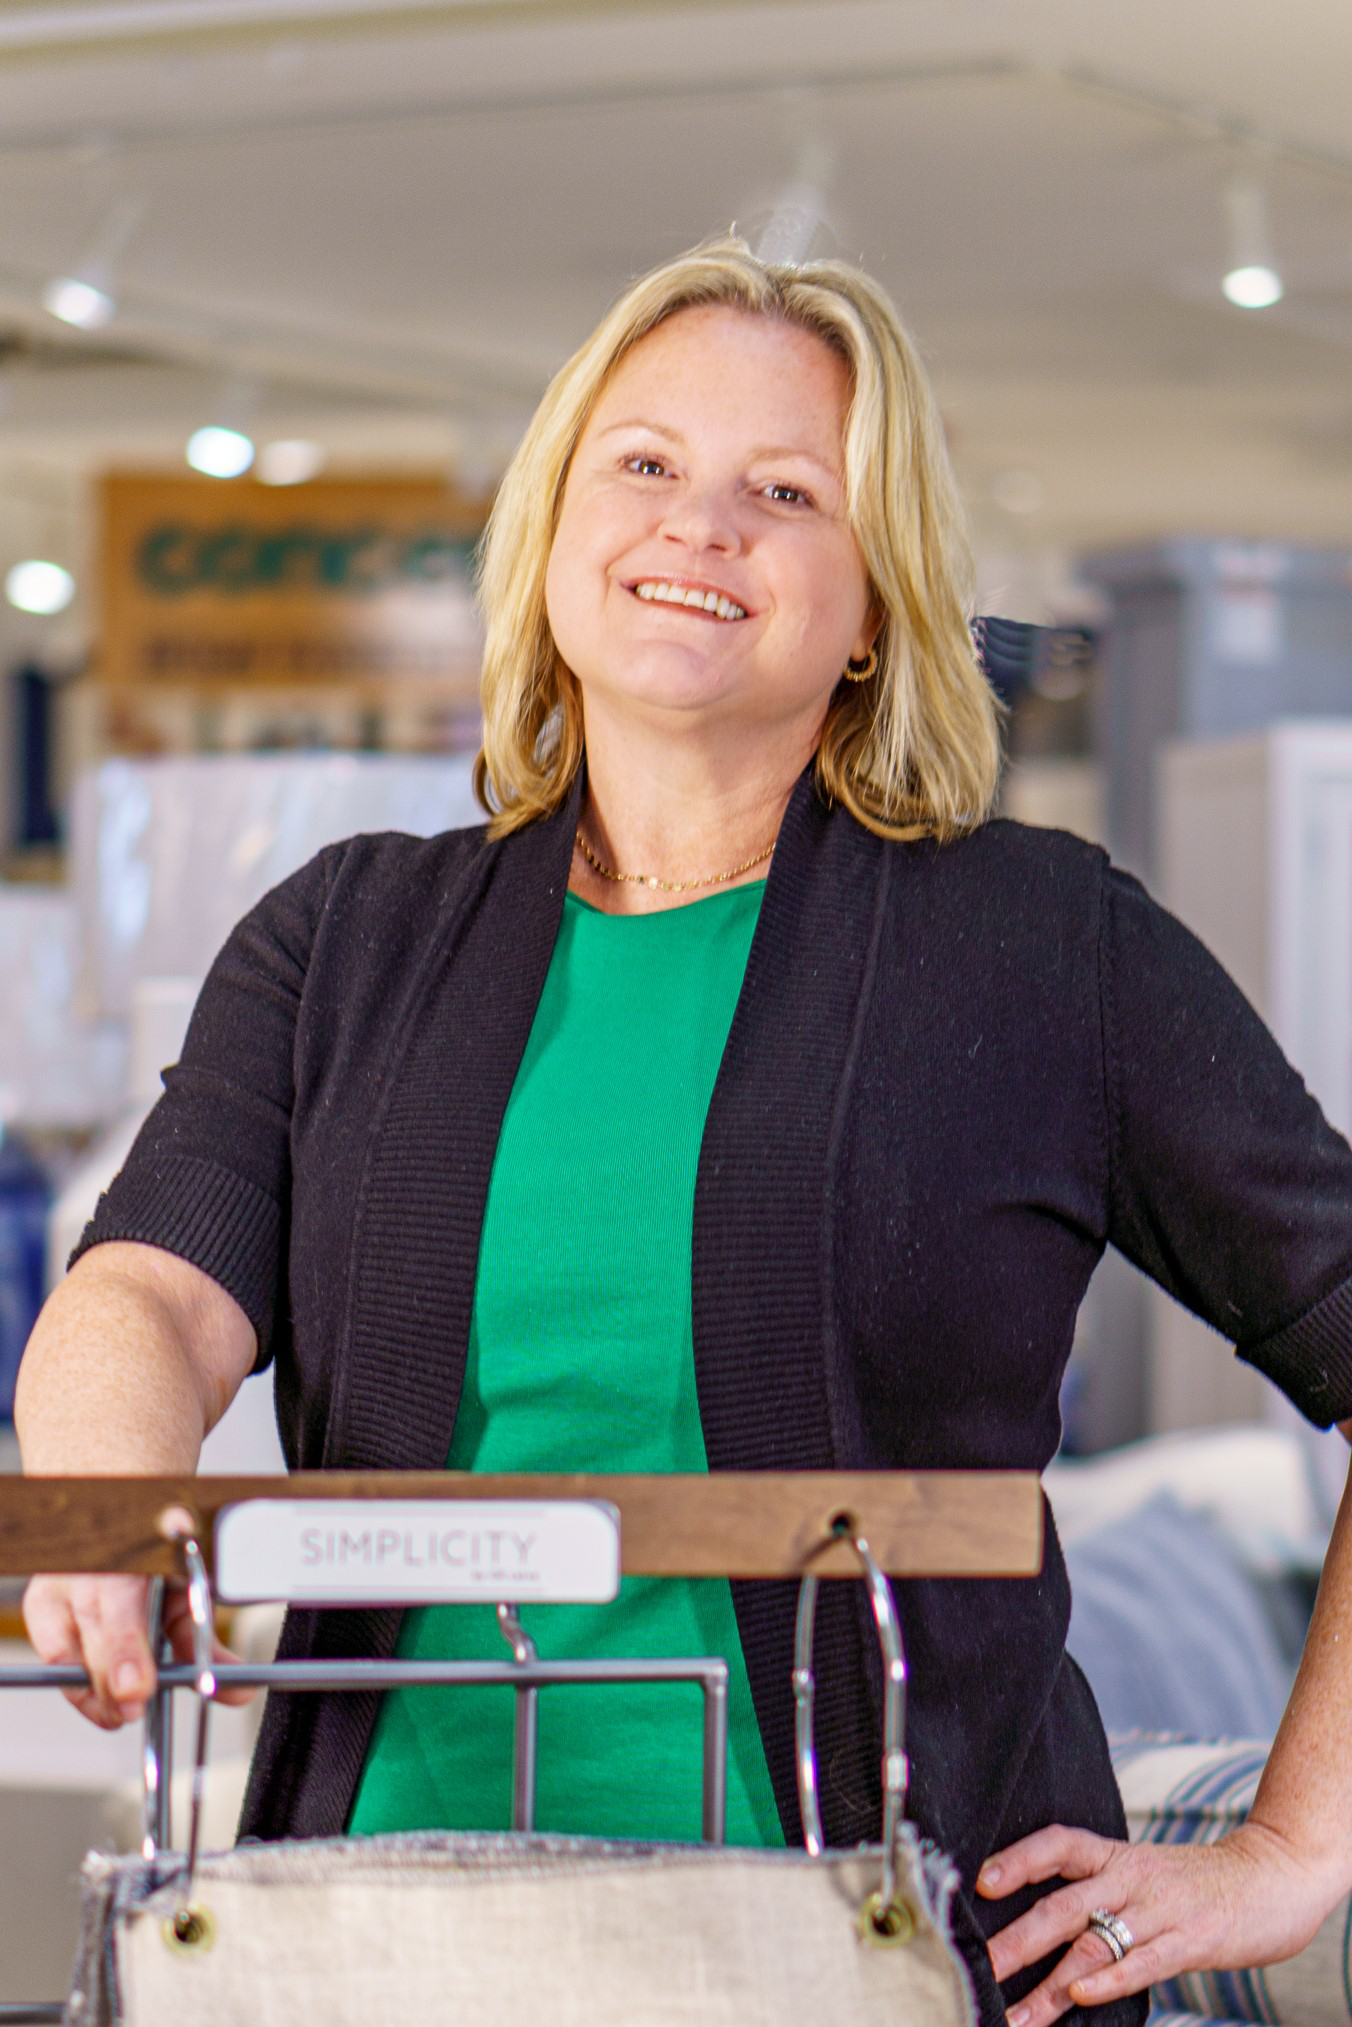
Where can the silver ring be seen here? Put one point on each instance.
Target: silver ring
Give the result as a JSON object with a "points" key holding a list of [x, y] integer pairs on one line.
{"points": [[1111, 1929]]}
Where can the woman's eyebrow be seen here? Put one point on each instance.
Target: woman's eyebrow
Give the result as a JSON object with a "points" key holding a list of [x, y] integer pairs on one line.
{"points": [[769, 450], [782, 450], [643, 422]]}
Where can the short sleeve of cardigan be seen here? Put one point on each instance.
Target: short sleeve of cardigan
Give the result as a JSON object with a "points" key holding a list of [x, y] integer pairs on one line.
{"points": [[1227, 1184], [209, 1175]]}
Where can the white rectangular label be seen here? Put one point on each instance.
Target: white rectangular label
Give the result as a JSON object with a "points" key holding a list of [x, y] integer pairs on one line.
{"points": [[417, 1551]]}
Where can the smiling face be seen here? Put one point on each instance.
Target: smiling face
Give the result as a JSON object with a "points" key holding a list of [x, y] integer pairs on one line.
{"points": [[703, 569]]}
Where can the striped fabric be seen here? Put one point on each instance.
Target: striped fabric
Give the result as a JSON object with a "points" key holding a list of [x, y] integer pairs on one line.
{"points": [[1180, 1791], [1174, 2016]]}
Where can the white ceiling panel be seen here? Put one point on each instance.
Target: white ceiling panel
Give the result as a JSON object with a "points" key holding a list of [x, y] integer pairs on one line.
{"points": [[394, 222]]}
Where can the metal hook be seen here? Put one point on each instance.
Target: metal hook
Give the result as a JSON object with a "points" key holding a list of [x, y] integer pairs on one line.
{"points": [[527, 1721], [199, 1608], [156, 1740], [189, 1925], [895, 1771]]}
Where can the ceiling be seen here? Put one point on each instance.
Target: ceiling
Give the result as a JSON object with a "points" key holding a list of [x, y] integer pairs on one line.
{"points": [[383, 225]]}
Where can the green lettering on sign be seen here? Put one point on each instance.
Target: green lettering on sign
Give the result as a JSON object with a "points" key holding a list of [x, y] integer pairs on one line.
{"points": [[241, 561], [165, 561]]}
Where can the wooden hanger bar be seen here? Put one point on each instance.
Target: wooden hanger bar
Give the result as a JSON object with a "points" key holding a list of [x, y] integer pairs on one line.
{"points": [[729, 1523]]}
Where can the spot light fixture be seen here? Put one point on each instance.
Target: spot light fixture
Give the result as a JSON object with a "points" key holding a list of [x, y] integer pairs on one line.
{"points": [[77, 302], [290, 461], [797, 227], [84, 297], [39, 586], [218, 452], [1251, 280]]}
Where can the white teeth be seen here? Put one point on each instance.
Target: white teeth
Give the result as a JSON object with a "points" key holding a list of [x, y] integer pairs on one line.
{"points": [[700, 601]]}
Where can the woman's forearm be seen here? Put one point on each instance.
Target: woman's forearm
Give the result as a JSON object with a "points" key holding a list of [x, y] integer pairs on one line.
{"points": [[1305, 1795], [130, 1363], [134, 1357], [1255, 1896]]}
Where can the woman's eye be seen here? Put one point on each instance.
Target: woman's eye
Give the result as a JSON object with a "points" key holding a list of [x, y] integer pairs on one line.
{"points": [[645, 466], [788, 496]]}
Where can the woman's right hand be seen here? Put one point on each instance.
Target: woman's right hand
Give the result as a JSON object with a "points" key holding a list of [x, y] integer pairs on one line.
{"points": [[135, 1356], [100, 1623]]}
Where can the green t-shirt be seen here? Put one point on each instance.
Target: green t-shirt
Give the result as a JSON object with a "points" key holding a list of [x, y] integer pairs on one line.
{"points": [[581, 1359]]}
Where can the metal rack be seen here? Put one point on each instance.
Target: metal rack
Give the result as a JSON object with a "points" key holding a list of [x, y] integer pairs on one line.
{"points": [[809, 1525]]}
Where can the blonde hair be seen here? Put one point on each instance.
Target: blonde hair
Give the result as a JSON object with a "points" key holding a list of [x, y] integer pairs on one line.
{"points": [[913, 750]]}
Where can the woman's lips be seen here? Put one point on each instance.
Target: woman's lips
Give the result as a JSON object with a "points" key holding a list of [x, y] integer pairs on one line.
{"points": [[689, 596]]}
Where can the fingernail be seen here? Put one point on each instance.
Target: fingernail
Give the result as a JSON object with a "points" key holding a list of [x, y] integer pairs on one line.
{"points": [[127, 1680], [989, 1875], [1019, 2016]]}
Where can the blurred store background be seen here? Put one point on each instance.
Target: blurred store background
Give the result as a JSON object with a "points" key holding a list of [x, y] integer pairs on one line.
{"points": [[280, 281]]}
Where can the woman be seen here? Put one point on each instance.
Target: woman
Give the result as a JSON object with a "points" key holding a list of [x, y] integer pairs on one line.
{"points": [[585, 1141]]}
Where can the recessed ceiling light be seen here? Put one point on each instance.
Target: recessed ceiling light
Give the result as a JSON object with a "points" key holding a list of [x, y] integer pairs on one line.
{"points": [[78, 302], [38, 586], [220, 453], [290, 461]]}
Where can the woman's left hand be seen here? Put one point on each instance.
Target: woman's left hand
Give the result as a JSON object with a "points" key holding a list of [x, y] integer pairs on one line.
{"points": [[1249, 1899]]}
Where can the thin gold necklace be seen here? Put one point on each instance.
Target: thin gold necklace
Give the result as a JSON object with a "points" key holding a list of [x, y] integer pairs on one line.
{"points": [[671, 886]]}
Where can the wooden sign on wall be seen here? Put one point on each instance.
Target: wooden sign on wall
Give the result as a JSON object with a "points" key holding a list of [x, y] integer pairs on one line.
{"points": [[208, 584]]}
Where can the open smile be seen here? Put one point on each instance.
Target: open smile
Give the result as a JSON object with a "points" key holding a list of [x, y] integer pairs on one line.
{"points": [[705, 599]]}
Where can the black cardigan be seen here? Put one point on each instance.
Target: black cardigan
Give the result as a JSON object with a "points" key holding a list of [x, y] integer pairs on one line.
{"points": [[954, 1073]]}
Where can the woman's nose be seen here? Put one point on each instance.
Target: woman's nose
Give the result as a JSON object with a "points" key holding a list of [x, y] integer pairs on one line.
{"points": [[702, 517]]}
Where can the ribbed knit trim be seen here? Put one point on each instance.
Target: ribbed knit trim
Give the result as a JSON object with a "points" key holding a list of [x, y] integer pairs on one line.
{"points": [[762, 1318], [415, 1249], [1311, 1359], [215, 1220]]}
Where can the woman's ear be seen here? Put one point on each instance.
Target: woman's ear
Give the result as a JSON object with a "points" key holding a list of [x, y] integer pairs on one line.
{"points": [[868, 632]]}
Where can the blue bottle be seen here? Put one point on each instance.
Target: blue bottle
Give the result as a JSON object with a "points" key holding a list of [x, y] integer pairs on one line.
{"points": [[25, 1197]]}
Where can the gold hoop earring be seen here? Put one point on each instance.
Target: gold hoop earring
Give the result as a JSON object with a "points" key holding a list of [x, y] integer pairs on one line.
{"points": [[860, 672]]}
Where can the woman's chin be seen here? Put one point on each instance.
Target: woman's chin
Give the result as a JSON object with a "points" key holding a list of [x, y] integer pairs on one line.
{"points": [[677, 692]]}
